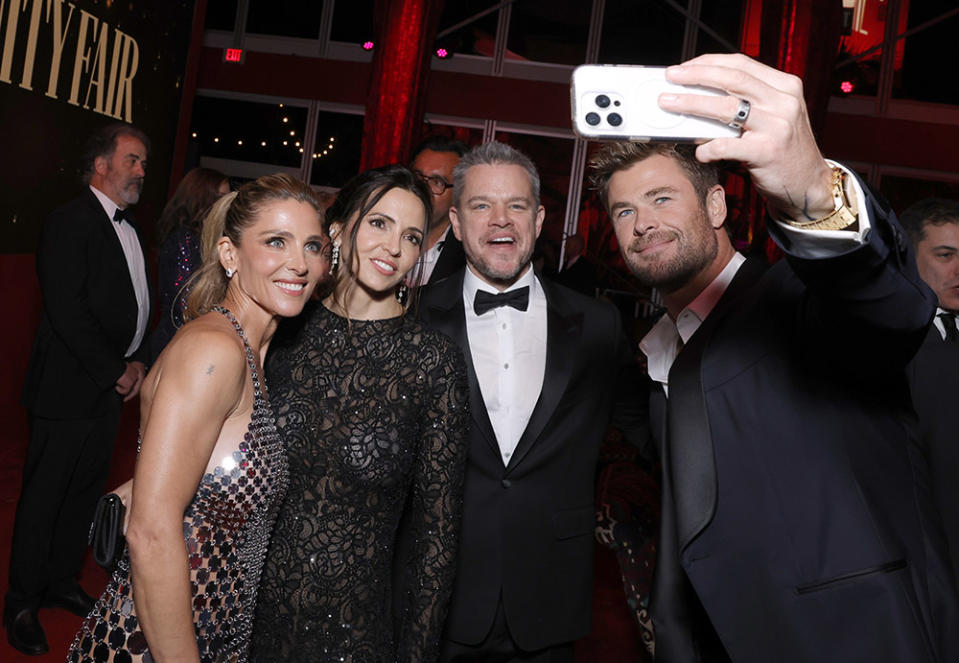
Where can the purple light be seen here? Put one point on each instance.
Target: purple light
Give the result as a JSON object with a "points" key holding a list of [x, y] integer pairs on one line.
{"points": [[367, 45], [442, 53], [846, 86]]}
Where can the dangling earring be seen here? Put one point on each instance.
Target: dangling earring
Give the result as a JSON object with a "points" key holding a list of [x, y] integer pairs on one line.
{"points": [[230, 272], [335, 258], [402, 292]]}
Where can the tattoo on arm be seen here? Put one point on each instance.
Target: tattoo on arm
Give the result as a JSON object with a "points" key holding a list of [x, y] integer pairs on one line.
{"points": [[209, 371], [805, 205]]}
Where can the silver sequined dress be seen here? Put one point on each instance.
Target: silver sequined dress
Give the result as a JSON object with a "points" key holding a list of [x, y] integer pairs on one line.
{"points": [[375, 415], [226, 529]]}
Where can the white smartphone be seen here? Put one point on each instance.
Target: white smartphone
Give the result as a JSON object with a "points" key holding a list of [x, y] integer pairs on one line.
{"points": [[619, 102]]}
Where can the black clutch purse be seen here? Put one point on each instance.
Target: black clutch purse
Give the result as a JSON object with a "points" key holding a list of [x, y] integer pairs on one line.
{"points": [[106, 531]]}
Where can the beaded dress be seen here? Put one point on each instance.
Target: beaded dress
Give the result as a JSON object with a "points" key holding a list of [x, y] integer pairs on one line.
{"points": [[178, 258], [226, 529], [374, 414]]}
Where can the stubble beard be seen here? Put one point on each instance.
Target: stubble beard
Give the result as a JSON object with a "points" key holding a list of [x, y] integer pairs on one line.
{"points": [[498, 276], [692, 254]]}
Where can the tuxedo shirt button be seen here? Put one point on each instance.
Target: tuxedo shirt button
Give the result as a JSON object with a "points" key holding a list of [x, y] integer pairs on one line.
{"points": [[506, 483]]}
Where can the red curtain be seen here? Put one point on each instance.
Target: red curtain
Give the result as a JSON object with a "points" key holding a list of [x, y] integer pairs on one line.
{"points": [[405, 31]]}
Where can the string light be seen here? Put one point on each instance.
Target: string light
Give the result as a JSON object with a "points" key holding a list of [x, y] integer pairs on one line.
{"points": [[216, 140], [285, 120]]}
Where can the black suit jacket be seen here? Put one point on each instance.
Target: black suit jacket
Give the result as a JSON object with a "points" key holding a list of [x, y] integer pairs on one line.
{"points": [[934, 382], [800, 512], [527, 531], [451, 259], [89, 314]]}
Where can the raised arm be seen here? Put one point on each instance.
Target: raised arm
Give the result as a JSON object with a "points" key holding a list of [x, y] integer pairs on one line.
{"points": [[201, 383], [435, 511]]}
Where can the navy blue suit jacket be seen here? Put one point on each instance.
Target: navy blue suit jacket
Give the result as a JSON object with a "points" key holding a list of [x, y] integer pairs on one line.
{"points": [[801, 514]]}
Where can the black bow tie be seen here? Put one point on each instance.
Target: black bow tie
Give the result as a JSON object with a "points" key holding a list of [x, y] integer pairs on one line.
{"points": [[120, 214], [487, 301]]}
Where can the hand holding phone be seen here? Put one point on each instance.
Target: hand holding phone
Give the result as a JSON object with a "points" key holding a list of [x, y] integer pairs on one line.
{"points": [[620, 102]]}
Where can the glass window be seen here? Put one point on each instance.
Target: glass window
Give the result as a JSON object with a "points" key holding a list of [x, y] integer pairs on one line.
{"points": [[549, 30], [220, 15], [468, 136], [726, 20], [352, 21], [926, 61], [477, 37], [336, 151], [649, 32], [248, 131], [901, 192], [554, 161], [287, 18]]}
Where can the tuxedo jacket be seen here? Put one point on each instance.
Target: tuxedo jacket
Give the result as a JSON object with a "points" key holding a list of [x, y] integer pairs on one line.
{"points": [[89, 314], [527, 529], [800, 512], [451, 259], [934, 382]]}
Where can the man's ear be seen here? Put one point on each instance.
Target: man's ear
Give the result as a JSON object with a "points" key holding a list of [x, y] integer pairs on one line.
{"points": [[455, 223], [716, 206], [540, 216], [101, 165]]}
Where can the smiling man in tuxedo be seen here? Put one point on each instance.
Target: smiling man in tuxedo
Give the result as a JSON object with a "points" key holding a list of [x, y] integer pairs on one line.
{"points": [[797, 525], [545, 366]]}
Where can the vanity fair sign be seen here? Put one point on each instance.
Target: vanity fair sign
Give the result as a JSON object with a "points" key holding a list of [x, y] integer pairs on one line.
{"points": [[68, 67]]}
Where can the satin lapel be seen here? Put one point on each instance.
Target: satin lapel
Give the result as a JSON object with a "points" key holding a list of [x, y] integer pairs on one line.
{"points": [[446, 315], [105, 224], [563, 330], [692, 461]]}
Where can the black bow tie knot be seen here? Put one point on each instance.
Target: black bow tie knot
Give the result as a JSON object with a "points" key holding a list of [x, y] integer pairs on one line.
{"points": [[120, 214], [487, 301]]}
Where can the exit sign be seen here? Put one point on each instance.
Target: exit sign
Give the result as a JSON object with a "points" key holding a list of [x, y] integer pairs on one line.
{"points": [[233, 55]]}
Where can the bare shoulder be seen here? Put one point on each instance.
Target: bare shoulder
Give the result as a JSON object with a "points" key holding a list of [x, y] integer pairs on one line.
{"points": [[207, 354]]}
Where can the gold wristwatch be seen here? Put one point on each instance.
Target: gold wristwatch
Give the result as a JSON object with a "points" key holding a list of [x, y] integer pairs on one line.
{"points": [[841, 218]]}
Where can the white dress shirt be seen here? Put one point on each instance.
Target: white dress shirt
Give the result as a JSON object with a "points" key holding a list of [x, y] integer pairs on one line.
{"points": [[661, 344], [508, 348], [135, 263]]}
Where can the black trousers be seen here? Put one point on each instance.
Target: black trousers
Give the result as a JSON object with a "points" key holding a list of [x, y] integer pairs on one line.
{"points": [[499, 647], [65, 473]]}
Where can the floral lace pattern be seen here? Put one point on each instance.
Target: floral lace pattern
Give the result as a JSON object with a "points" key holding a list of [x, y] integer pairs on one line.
{"points": [[375, 416]]}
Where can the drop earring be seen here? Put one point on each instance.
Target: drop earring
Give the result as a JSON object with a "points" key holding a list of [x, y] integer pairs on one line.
{"points": [[334, 258], [402, 292]]}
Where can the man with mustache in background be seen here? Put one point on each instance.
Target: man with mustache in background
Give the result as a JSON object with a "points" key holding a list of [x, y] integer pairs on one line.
{"points": [[87, 359]]}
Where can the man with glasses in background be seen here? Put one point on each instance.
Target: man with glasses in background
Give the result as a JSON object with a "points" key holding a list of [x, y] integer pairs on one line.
{"points": [[433, 160]]}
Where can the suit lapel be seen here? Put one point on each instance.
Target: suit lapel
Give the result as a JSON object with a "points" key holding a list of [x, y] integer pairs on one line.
{"points": [[446, 315], [692, 464], [563, 331]]}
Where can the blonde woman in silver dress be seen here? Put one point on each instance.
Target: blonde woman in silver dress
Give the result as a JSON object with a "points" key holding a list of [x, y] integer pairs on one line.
{"points": [[211, 470]]}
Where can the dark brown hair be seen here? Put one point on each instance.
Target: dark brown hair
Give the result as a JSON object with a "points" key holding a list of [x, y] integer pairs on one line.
{"points": [[191, 201]]}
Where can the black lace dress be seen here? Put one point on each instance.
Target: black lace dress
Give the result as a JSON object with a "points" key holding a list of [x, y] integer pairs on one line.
{"points": [[375, 416]]}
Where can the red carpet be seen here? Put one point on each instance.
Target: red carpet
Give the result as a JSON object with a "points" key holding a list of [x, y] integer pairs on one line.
{"points": [[60, 625]]}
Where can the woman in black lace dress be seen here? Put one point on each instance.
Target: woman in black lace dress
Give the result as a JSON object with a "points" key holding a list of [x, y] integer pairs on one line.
{"points": [[373, 408], [212, 469]]}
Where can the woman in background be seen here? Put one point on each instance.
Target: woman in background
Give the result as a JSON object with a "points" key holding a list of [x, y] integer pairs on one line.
{"points": [[211, 470], [373, 408], [179, 231]]}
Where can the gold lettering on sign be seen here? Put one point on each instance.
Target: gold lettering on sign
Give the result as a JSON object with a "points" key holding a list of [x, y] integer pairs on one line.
{"points": [[82, 59], [59, 37], [105, 60]]}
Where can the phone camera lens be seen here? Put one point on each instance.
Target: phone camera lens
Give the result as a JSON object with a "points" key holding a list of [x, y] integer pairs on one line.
{"points": [[592, 119], [615, 119], [602, 101]]}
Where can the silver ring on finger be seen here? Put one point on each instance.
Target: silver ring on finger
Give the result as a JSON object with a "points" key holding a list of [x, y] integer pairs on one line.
{"points": [[742, 113]]}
